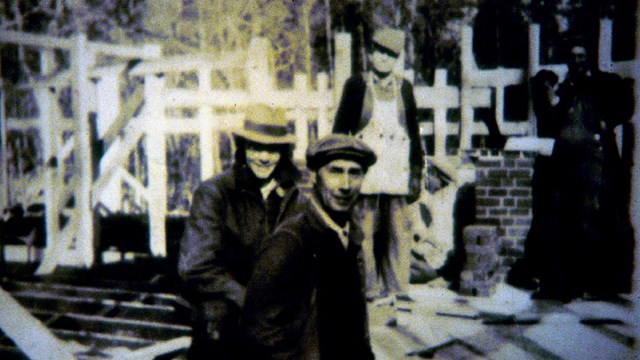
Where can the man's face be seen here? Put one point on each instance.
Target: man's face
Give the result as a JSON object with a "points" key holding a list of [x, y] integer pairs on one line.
{"points": [[338, 184], [578, 63], [383, 61], [262, 159]]}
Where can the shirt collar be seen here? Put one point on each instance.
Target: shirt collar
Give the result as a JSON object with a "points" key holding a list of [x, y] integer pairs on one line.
{"points": [[341, 231], [268, 188]]}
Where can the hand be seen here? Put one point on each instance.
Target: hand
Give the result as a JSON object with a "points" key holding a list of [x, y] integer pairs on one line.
{"points": [[219, 316]]}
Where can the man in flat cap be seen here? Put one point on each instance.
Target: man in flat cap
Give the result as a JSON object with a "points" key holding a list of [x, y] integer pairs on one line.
{"points": [[306, 298], [231, 215], [380, 109]]}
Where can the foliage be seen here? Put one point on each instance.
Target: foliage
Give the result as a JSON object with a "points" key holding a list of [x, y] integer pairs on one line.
{"points": [[183, 171], [23, 152], [106, 20]]}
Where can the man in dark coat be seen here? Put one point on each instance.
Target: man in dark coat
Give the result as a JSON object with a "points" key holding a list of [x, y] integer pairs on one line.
{"points": [[306, 297], [380, 109], [591, 241], [231, 214]]}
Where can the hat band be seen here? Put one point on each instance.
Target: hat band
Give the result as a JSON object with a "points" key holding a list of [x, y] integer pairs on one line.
{"points": [[266, 129], [385, 50]]}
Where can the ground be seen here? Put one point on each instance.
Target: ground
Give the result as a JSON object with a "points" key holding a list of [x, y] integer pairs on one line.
{"points": [[440, 324]]}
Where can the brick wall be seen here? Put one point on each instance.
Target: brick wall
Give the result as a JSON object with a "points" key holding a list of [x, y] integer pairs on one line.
{"points": [[503, 199]]}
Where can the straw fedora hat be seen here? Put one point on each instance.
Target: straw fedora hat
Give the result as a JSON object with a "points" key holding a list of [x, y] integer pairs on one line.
{"points": [[266, 125]]}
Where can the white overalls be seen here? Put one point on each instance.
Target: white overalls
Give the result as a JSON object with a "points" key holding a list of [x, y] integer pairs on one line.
{"points": [[388, 178]]}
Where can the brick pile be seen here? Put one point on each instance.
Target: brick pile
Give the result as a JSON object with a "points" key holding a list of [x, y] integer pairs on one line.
{"points": [[503, 199], [479, 276]]}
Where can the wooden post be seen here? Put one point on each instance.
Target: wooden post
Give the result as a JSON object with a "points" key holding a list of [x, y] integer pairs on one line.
{"points": [[205, 118], [4, 170], [466, 111], [440, 97], [260, 78], [207, 156], [635, 176], [343, 62], [605, 44], [302, 125], [534, 49], [440, 118], [156, 148], [499, 113], [82, 60], [324, 122], [50, 138], [534, 61], [49, 117]]}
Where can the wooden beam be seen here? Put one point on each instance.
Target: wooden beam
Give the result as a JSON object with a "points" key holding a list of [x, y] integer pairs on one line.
{"points": [[147, 51], [4, 177], [165, 347], [183, 63], [157, 160], [28, 333], [41, 41]]}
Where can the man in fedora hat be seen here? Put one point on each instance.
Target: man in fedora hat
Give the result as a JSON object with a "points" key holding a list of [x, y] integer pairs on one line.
{"points": [[230, 215], [380, 109], [306, 297]]}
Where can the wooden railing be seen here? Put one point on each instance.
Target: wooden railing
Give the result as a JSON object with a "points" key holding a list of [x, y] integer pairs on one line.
{"points": [[220, 111]]}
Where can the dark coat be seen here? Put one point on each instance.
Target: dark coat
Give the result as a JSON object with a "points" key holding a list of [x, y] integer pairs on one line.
{"points": [[227, 223], [349, 118], [590, 236], [306, 297]]}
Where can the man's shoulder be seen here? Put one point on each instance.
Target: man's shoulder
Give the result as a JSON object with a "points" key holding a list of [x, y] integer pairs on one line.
{"points": [[298, 222], [406, 87], [222, 182], [406, 83], [356, 81]]}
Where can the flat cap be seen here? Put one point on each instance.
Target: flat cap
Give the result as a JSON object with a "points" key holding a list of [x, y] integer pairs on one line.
{"points": [[389, 38], [339, 146]]}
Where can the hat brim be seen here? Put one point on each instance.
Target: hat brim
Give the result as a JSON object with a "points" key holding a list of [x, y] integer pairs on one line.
{"points": [[322, 158], [266, 139]]}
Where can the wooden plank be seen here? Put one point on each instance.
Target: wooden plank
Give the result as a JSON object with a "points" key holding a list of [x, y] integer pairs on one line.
{"points": [[83, 59], [133, 182], [158, 349], [95, 292], [23, 38], [192, 62], [138, 328], [157, 168], [28, 333], [564, 336], [102, 340], [84, 305], [602, 310], [147, 51]]}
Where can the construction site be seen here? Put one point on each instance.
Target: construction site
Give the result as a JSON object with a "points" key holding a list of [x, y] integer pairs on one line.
{"points": [[90, 232]]}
